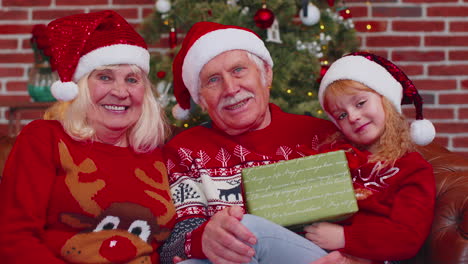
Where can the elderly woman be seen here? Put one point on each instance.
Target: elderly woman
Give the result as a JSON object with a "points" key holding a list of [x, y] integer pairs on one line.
{"points": [[88, 185]]}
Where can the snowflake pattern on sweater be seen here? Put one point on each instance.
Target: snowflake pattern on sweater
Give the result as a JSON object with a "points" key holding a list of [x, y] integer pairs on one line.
{"points": [[205, 165]]}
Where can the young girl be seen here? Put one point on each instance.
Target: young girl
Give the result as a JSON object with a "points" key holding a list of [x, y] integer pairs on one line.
{"points": [[394, 185]]}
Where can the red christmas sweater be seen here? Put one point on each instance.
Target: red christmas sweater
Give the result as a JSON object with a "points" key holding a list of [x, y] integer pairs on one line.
{"points": [[396, 206], [64, 201], [205, 167]]}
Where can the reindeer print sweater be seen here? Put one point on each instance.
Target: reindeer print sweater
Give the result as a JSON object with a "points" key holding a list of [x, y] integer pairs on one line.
{"points": [[64, 201], [205, 166]]}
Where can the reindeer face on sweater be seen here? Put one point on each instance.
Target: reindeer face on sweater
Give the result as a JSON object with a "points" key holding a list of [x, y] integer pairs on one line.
{"points": [[119, 231]]}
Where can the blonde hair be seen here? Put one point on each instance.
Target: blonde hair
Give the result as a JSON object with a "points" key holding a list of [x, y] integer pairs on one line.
{"points": [[149, 132], [395, 140]]}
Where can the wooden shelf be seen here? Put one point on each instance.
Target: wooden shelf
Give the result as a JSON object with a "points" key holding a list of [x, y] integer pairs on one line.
{"points": [[17, 108]]}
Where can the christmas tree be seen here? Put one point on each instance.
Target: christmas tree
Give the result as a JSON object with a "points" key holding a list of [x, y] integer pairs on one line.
{"points": [[303, 37]]}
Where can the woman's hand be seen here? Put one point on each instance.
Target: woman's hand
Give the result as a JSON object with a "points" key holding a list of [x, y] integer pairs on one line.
{"points": [[337, 257], [326, 235], [224, 236]]}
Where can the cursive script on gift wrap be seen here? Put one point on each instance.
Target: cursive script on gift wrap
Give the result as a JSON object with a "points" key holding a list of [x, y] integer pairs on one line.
{"points": [[301, 190]]}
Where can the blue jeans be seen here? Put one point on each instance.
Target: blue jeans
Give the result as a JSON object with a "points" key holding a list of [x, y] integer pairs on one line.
{"points": [[275, 244]]}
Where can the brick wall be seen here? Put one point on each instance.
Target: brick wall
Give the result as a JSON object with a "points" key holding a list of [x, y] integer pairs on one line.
{"points": [[427, 38]]}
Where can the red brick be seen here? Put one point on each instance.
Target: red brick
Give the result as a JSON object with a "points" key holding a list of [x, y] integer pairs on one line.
{"points": [[447, 11], [458, 26], [464, 84], [376, 26], [414, 55], [412, 70], [8, 3], [429, 113], [80, 2], [435, 85], [374, 1], [52, 14], [26, 44], [3, 129], [147, 11], [446, 41], [381, 52], [16, 86], [31, 114], [129, 13], [133, 2], [16, 58], [426, 26], [8, 43], [430, 1], [393, 41], [448, 69], [460, 142], [453, 128], [457, 98], [428, 99], [359, 11], [458, 55], [13, 15], [15, 29], [11, 72], [14, 98], [438, 113], [382, 11], [463, 113]]}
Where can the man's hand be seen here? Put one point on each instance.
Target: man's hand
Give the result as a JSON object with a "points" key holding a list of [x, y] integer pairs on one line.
{"points": [[326, 235], [222, 240], [337, 257]]}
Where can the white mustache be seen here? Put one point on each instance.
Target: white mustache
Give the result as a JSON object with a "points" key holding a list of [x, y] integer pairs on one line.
{"points": [[231, 100]]}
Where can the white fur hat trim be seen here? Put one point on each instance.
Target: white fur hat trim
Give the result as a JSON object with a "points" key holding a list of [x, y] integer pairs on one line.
{"points": [[218, 41], [367, 72], [127, 54]]}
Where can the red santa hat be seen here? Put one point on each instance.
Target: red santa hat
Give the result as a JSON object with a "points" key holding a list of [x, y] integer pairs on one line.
{"points": [[384, 77], [81, 43], [203, 42]]}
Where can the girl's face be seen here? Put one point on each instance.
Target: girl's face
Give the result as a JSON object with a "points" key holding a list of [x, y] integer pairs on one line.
{"points": [[117, 96], [360, 116]]}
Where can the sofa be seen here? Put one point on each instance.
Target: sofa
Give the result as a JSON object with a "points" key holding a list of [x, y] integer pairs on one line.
{"points": [[448, 240]]}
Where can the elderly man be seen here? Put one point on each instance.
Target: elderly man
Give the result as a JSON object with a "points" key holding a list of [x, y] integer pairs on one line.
{"points": [[227, 70]]}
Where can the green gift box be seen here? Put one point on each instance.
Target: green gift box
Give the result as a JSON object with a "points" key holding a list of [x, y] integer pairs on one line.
{"points": [[301, 191]]}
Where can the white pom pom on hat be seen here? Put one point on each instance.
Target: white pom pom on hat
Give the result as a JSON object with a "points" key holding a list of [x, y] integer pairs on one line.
{"points": [[92, 40], [385, 78], [422, 132], [64, 91], [180, 113]]}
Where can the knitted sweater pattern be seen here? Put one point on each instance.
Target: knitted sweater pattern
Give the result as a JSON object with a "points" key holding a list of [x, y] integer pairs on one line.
{"points": [[65, 201], [205, 165]]}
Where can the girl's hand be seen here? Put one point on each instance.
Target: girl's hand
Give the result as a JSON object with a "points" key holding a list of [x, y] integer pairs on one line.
{"points": [[337, 257], [177, 259], [326, 235]]}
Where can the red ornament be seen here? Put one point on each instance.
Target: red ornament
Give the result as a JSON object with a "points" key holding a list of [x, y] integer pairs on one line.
{"points": [[331, 3], [264, 17], [161, 74], [345, 13], [323, 70], [172, 38]]}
